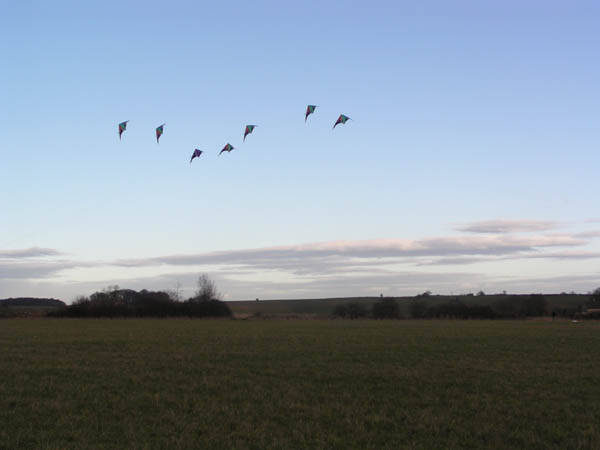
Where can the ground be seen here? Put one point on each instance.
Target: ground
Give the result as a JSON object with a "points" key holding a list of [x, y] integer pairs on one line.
{"points": [[330, 384]]}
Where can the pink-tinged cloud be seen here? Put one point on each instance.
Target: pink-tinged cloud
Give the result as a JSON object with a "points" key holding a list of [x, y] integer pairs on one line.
{"points": [[351, 259], [508, 226], [338, 252]]}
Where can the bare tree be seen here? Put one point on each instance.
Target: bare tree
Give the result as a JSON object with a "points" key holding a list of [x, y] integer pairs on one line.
{"points": [[207, 290], [175, 293]]}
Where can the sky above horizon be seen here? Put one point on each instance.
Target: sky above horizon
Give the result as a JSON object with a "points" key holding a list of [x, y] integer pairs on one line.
{"points": [[470, 162]]}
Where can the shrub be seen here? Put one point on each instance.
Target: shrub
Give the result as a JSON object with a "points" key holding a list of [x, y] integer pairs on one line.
{"points": [[418, 309], [386, 308], [356, 310], [595, 298], [534, 305], [340, 310]]}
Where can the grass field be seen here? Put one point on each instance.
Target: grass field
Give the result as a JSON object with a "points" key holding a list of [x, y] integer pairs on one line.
{"points": [[208, 384]]}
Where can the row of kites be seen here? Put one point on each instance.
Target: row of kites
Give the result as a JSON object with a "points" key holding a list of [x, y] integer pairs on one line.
{"points": [[310, 109]]}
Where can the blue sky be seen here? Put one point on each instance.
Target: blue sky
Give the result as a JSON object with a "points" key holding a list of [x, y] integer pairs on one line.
{"points": [[466, 114]]}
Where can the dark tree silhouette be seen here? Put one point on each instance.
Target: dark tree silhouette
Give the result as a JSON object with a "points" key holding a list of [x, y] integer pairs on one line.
{"points": [[386, 308]]}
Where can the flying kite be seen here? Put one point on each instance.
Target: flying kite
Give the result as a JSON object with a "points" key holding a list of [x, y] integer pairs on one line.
{"points": [[309, 110], [122, 127], [196, 154], [342, 119], [227, 148], [159, 132], [249, 129]]}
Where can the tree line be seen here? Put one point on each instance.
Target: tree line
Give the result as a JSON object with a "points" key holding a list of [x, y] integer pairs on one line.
{"points": [[509, 307], [420, 307], [115, 302]]}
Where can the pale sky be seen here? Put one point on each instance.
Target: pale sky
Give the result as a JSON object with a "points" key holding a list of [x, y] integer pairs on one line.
{"points": [[471, 160]]}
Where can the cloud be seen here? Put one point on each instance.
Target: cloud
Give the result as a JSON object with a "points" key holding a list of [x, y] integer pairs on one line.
{"points": [[453, 261], [588, 234], [334, 268], [566, 255], [33, 270], [348, 254], [31, 252], [508, 226]]}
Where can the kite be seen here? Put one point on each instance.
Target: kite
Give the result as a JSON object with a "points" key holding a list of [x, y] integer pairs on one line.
{"points": [[227, 148], [342, 119], [309, 110], [249, 129], [196, 154], [159, 132], [122, 127]]}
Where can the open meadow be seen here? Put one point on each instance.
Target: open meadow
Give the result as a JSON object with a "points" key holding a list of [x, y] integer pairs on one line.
{"points": [[300, 384]]}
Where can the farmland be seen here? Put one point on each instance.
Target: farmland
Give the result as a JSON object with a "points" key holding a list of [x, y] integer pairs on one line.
{"points": [[313, 384]]}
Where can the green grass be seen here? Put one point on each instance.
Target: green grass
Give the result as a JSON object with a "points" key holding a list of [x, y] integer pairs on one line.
{"points": [[154, 384]]}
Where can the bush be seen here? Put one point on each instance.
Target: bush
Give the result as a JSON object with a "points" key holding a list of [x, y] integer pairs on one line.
{"points": [[340, 310], [595, 298], [386, 308], [351, 310], [534, 305], [356, 310], [418, 309]]}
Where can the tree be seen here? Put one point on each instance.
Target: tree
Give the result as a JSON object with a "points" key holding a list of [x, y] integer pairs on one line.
{"points": [[386, 308], [534, 305], [356, 310], [595, 297], [340, 310], [175, 293], [207, 290], [418, 309]]}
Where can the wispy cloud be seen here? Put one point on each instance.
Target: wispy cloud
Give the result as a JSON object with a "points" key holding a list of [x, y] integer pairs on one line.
{"points": [[350, 253], [508, 226], [32, 252], [314, 269], [588, 234], [312, 258], [566, 255]]}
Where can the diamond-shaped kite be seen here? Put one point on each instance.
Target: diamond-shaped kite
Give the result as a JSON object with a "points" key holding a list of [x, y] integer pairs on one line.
{"points": [[122, 128], [227, 148], [196, 154], [309, 110], [342, 119], [249, 129], [159, 132]]}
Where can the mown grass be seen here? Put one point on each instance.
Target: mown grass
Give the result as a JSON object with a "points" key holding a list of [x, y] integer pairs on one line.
{"points": [[153, 384]]}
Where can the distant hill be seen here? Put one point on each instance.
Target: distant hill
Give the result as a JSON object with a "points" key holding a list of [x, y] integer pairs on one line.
{"points": [[563, 303], [32, 302]]}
